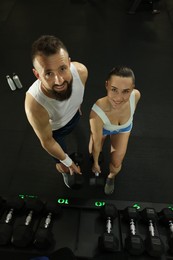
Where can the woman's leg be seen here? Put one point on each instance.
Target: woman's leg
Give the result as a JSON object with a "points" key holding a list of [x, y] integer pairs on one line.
{"points": [[119, 144]]}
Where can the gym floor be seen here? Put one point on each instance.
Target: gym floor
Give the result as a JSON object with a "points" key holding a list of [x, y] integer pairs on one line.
{"points": [[101, 35]]}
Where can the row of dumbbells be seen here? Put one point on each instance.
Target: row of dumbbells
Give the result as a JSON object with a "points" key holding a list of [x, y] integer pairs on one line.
{"points": [[36, 220], [133, 242], [34, 227]]}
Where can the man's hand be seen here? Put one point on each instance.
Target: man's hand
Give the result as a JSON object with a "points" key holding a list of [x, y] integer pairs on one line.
{"points": [[72, 169]]}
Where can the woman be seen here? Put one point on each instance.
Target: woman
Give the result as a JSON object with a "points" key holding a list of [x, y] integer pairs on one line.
{"points": [[112, 116]]}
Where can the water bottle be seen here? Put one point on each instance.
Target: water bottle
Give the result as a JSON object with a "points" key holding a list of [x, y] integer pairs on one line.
{"points": [[17, 81], [10, 83]]}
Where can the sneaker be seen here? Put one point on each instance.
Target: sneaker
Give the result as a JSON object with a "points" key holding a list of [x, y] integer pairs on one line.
{"points": [[109, 186], [66, 179]]}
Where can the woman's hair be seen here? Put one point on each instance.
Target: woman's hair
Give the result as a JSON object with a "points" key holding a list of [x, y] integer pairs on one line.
{"points": [[123, 72]]}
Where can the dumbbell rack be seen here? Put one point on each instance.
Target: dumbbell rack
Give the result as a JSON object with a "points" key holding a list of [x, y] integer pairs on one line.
{"points": [[80, 226]]}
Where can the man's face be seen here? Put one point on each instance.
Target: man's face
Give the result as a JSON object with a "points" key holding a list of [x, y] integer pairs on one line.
{"points": [[54, 73]]}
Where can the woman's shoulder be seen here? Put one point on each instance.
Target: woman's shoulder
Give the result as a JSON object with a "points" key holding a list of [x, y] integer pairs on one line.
{"points": [[137, 95], [102, 103]]}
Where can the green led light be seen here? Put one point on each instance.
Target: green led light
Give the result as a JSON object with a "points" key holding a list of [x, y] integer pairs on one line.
{"points": [[62, 201], [24, 196], [32, 196], [170, 207], [136, 206], [99, 203]]}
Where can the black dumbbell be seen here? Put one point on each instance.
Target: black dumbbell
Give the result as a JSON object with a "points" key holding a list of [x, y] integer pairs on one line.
{"points": [[153, 243], [97, 180], [44, 237], [108, 241], [134, 244], [76, 181], [166, 218], [6, 227], [23, 234]]}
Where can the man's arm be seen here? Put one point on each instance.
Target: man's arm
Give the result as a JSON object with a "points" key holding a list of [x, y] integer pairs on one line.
{"points": [[39, 120]]}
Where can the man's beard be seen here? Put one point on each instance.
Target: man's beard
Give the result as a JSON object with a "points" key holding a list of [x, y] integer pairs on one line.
{"points": [[61, 96]]}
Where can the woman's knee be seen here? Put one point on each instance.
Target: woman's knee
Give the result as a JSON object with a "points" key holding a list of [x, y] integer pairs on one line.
{"points": [[114, 166], [116, 159]]}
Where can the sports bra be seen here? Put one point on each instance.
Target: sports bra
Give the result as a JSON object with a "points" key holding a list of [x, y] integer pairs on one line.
{"points": [[107, 124]]}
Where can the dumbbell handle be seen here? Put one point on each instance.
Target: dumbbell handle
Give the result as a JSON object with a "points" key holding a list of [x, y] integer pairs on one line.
{"points": [[109, 225], [48, 220], [132, 227], [9, 216], [28, 218], [151, 228], [96, 174], [171, 225]]}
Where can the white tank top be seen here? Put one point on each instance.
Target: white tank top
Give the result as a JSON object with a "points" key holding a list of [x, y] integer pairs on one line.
{"points": [[107, 124], [60, 112]]}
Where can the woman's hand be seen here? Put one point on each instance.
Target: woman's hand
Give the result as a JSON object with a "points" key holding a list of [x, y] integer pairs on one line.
{"points": [[96, 168]]}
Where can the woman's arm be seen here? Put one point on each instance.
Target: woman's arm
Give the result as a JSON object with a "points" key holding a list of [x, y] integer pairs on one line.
{"points": [[96, 128]]}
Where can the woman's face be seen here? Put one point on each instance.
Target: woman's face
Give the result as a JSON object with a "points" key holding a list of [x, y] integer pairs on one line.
{"points": [[119, 90]]}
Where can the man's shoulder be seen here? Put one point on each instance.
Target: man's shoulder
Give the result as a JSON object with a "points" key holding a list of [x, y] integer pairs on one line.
{"points": [[82, 70], [33, 109], [30, 102], [78, 65]]}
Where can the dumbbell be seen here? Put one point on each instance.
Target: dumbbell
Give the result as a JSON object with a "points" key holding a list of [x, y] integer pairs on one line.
{"points": [[134, 244], [44, 237], [76, 180], [6, 227], [108, 241], [166, 218], [153, 243], [97, 180], [23, 234]]}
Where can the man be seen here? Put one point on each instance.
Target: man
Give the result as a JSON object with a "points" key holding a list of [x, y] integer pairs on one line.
{"points": [[112, 116], [52, 103]]}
